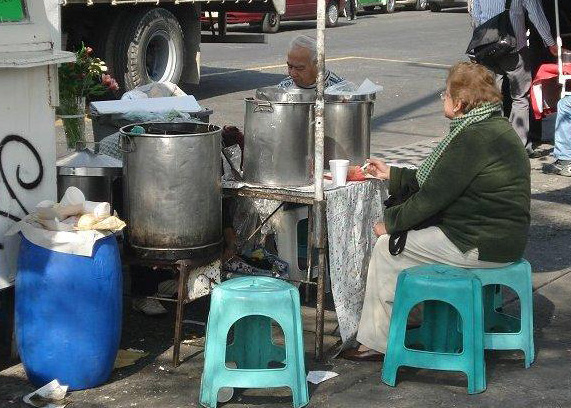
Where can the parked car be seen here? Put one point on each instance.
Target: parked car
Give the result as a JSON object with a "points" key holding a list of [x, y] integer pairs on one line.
{"points": [[295, 10], [437, 5], [388, 6]]}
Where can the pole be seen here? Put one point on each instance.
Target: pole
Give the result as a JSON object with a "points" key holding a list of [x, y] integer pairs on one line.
{"points": [[319, 206]]}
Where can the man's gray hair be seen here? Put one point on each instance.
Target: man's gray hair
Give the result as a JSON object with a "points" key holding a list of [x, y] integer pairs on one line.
{"points": [[303, 41]]}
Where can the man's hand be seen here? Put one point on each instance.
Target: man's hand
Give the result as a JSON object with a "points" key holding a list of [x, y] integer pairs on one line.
{"points": [[553, 50], [380, 229], [379, 169]]}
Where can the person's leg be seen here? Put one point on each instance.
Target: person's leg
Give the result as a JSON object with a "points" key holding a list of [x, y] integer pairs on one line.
{"points": [[427, 246], [518, 71], [562, 148]]}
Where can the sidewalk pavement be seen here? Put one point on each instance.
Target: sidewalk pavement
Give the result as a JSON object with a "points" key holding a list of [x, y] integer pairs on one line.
{"points": [[153, 382]]}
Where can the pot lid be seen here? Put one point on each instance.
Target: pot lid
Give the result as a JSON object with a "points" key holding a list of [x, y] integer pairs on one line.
{"points": [[348, 97], [296, 95], [275, 94], [87, 158]]}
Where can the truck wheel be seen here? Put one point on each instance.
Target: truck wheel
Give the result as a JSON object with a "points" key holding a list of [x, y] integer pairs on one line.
{"points": [[389, 7], [150, 49], [434, 7], [421, 5], [271, 23], [332, 14]]}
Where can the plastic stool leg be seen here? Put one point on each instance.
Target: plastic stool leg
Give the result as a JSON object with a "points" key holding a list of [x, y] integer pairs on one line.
{"points": [[252, 347]]}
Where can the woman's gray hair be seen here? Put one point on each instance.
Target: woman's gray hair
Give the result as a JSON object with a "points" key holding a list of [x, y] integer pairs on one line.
{"points": [[303, 41]]}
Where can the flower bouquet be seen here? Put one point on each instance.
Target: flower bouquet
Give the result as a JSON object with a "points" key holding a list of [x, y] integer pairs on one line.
{"points": [[77, 81]]}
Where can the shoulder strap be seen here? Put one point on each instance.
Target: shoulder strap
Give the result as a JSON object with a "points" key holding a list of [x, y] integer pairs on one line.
{"points": [[508, 4]]}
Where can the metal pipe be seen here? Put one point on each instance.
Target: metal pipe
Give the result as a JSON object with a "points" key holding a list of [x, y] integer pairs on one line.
{"points": [[319, 206], [319, 103]]}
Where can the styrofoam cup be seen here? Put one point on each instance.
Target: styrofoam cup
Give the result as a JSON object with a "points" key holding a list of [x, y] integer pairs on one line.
{"points": [[339, 171]]}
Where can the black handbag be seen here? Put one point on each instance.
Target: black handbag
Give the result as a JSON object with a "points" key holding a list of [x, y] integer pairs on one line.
{"points": [[493, 39], [397, 240]]}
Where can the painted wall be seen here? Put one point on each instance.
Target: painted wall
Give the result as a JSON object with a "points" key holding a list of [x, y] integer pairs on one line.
{"points": [[27, 152]]}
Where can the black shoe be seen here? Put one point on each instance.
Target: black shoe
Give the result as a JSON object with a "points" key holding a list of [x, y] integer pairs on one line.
{"points": [[559, 167]]}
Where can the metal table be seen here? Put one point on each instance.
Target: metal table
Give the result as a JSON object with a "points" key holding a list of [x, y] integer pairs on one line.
{"points": [[317, 238]]}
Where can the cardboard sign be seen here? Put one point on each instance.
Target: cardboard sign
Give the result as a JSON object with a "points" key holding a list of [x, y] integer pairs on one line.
{"points": [[11, 11]]}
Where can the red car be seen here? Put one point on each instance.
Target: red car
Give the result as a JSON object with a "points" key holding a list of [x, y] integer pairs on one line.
{"points": [[295, 10]]}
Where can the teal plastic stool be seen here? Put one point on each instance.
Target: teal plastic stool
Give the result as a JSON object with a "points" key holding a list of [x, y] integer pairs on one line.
{"points": [[459, 289], [250, 304], [502, 331]]}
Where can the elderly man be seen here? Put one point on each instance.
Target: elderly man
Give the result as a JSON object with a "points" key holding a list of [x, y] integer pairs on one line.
{"points": [[302, 65]]}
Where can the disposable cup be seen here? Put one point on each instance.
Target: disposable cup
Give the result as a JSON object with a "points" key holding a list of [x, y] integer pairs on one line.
{"points": [[72, 196], [339, 171], [99, 209]]}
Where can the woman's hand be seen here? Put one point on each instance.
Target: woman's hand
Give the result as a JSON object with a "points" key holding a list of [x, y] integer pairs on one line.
{"points": [[380, 229], [378, 169]]}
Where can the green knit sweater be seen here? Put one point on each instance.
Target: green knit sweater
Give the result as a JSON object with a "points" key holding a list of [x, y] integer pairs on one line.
{"points": [[481, 187]]}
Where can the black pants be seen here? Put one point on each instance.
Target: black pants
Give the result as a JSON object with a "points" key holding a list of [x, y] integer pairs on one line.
{"points": [[351, 9]]}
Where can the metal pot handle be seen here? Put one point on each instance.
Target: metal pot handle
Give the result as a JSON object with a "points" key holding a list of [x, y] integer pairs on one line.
{"points": [[126, 144], [263, 106]]}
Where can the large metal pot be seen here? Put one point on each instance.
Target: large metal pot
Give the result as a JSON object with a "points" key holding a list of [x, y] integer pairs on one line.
{"points": [[98, 176], [279, 129], [172, 189], [279, 137], [348, 127]]}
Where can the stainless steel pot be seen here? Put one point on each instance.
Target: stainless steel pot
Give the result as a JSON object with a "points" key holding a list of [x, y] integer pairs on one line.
{"points": [[279, 138], [172, 189], [279, 129], [98, 176], [348, 127]]}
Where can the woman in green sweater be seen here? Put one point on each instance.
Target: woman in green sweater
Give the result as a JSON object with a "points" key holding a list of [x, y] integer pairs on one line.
{"points": [[476, 181]]}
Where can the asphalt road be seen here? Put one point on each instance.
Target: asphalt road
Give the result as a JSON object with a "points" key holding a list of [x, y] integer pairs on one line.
{"points": [[407, 52]]}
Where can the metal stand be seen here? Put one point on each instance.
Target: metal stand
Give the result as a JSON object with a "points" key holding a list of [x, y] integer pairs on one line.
{"points": [[317, 238], [182, 268]]}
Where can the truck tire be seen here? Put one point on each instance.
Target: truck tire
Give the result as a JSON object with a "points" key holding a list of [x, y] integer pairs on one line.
{"points": [[332, 14], [271, 23], [421, 5], [148, 48], [434, 7]]}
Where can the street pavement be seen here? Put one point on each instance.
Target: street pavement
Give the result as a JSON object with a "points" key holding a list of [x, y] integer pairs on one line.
{"points": [[408, 54]]}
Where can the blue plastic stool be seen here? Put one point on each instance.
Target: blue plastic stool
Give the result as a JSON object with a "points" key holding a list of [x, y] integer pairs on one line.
{"points": [[456, 287], [250, 304], [509, 333]]}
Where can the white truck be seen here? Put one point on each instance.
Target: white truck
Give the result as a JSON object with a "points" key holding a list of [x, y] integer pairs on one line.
{"points": [[148, 40]]}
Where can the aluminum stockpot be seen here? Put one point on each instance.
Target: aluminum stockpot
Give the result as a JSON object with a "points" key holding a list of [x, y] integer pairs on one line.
{"points": [[172, 189], [279, 137], [348, 127], [97, 175]]}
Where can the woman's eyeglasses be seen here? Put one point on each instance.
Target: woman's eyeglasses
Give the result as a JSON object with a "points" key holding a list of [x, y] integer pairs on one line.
{"points": [[443, 95]]}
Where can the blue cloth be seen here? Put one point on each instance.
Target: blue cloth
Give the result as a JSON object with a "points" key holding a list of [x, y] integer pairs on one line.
{"points": [[562, 150]]}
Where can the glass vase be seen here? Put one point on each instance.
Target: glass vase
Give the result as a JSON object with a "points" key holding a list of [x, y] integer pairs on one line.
{"points": [[72, 114]]}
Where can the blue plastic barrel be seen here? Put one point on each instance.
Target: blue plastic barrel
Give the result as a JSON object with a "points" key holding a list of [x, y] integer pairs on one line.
{"points": [[68, 314]]}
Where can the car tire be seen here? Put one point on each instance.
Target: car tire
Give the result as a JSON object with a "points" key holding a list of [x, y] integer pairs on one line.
{"points": [[389, 7], [332, 14], [434, 7], [369, 8], [421, 5], [271, 23], [149, 48]]}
